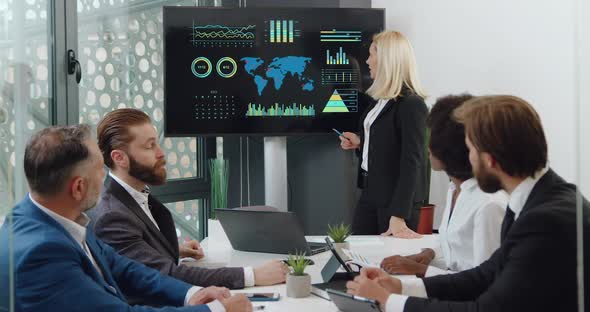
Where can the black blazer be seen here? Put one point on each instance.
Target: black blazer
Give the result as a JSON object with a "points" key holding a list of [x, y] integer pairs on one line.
{"points": [[533, 270], [120, 222], [397, 173]]}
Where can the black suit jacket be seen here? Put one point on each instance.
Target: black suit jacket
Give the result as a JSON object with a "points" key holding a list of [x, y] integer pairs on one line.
{"points": [[533, 270], [120, 222], [397, 173]]}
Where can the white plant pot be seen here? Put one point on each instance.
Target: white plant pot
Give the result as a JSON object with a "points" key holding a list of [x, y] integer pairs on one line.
{"points": [[216, 234], [339, 247], [298, 286]]}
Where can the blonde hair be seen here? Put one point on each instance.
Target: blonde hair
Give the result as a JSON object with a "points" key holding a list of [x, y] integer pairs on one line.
{"points": [[396, 67]]}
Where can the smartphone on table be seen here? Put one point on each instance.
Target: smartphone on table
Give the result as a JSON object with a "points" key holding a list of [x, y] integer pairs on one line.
{"points": [[266, 296]]}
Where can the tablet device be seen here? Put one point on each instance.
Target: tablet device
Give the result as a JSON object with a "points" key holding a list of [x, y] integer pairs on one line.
{"points": [[331, 278], [337, 256], [350, 303]]}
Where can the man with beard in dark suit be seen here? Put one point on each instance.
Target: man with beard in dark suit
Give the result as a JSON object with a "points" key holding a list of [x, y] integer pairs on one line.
{"points": [[535, 268], [137, 225]]}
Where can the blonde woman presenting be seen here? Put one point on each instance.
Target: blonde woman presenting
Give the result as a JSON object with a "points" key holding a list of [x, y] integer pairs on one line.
{"points": [[390, 143]]}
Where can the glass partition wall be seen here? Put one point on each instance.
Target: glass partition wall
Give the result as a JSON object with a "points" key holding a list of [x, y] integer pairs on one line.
{"points": [[119, 46], [26, 103]]}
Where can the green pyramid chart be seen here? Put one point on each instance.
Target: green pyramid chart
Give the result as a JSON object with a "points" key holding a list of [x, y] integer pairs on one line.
{"points": [[335, 104]]}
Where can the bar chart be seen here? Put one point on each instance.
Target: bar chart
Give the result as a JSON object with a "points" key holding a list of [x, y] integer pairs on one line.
{"points": [[282, 31], [339, 59], [280, 110], [340, 35]]}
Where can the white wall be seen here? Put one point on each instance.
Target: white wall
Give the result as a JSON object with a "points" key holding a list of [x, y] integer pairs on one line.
{"points": [[523, 48], [583, 64]]}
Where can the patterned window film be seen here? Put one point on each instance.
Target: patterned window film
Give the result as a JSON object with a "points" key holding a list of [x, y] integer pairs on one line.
{"points": [[120, 50], [25, 89], [186, 217]]}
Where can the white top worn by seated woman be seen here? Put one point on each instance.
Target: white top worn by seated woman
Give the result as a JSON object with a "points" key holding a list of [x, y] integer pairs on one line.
{"points": [[471, 232]]}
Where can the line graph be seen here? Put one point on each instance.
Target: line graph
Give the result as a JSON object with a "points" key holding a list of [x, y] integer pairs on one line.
{"points": [[215, 35]]}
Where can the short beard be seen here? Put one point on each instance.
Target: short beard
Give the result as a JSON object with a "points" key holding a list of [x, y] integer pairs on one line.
{"points": [[148, 175], [487, 182]]}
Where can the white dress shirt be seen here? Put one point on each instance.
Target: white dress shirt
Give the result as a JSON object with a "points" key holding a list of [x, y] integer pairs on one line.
{"points": [[471, 233], [415, 287], [369, 119], [140, 197], [521, 193]]}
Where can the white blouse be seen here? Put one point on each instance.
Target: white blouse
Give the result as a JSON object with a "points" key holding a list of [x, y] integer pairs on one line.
{"points": [[369, 119], [472, 233]]}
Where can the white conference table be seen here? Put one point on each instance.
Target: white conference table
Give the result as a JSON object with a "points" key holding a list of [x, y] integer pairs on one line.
{"points": [[219, 253]]}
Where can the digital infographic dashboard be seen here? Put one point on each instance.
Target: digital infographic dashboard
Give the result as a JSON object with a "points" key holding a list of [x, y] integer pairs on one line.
{"points": [[267, 71]]}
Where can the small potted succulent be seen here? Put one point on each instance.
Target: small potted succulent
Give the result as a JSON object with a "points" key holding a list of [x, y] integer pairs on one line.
{"points": [[339, 234], [298, 282]]}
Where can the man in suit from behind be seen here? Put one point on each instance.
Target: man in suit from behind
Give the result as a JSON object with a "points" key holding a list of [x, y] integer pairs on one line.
{"points": [[535, 268], [137, 225], [60, 266]]}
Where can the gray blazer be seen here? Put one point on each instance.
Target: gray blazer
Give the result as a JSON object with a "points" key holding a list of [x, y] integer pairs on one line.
{"points": [[120, 222]]}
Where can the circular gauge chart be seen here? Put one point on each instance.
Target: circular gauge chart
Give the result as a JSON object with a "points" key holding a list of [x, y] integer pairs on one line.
{"points": [[201, 67], [226, 67]]}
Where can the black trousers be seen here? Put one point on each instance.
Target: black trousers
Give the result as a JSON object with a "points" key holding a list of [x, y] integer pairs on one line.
{"points": [[371, 219]]}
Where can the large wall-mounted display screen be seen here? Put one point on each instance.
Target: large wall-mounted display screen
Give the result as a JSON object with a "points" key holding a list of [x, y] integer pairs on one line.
{"points": [[267, 71]]}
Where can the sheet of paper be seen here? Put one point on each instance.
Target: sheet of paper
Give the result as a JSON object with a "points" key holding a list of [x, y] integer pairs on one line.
{"points": [[359, 259]]}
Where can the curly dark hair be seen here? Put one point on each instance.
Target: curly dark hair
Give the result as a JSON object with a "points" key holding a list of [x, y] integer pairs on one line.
{"points": [[447, 136]]}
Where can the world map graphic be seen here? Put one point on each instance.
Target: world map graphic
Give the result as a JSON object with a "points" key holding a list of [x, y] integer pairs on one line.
{"points": [[277, 70]]}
